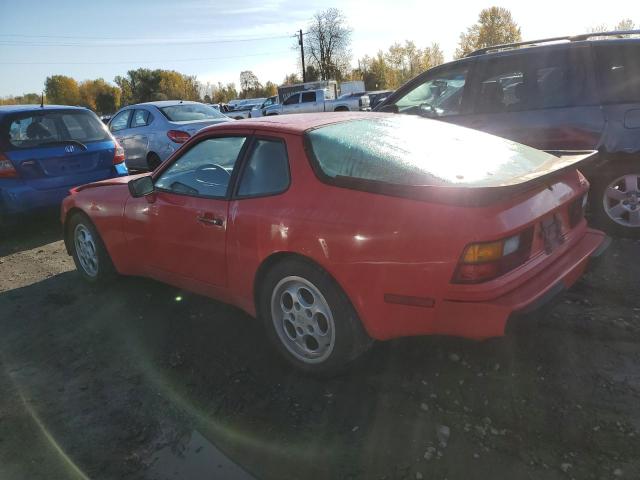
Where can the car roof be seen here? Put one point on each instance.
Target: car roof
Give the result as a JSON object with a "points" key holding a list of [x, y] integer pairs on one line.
{"points": [[296, 123], [29, 108], [558, 43], [166, 103]]}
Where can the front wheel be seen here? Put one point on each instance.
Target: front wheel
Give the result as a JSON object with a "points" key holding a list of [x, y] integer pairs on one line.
{"points": [[309, 318], [616, 199], [88, 251]]}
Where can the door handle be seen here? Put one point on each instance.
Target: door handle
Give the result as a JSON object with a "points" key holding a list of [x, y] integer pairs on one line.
{"points": [[218, 222]]}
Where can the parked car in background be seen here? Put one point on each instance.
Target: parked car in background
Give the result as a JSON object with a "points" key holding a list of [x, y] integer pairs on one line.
{"points": [[310, 101], [243, 110], [567, 93], [150, 132], [401, 243], [46, 150], [378, 96], [259, 111]]}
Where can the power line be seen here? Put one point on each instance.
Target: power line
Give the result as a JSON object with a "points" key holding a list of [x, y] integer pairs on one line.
{"points": [[171, 60], [140, 42]]}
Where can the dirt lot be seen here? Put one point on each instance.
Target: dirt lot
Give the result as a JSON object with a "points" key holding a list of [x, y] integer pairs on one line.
{"points": [[140, 380]]}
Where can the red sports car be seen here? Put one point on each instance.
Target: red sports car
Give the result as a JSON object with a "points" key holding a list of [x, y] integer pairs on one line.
{"points": [[338, 229]]}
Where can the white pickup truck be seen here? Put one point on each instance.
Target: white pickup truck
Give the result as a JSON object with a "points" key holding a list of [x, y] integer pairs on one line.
{"points": [[309, 101]]}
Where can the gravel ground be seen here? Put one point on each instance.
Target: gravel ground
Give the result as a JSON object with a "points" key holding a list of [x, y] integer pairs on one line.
{"points": [[141, 380]]}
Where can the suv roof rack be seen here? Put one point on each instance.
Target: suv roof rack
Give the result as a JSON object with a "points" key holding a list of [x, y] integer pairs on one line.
{"points": [[569, 38]]}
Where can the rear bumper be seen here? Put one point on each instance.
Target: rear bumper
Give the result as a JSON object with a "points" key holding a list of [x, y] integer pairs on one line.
{"points": [[486, 319]]}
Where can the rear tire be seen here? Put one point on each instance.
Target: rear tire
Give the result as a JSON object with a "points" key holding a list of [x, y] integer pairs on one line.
{"points": [[153, 161], [88, 251], [309, 319], [615, 198]]}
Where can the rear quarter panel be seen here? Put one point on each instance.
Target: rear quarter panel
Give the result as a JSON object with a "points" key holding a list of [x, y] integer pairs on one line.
{"points": [[373, 244]]}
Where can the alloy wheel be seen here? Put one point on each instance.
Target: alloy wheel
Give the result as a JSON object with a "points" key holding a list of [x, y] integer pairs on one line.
{"points": [[86, 250], [303, 319], [621, 200]]}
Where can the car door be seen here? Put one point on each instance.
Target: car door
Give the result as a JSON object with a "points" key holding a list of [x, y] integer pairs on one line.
{"points": [[180, 229], [544, 99], [138, 137], [291, 104], [119, 127], [309, 102]]}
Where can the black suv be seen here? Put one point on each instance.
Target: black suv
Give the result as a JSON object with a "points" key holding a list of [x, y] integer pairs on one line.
{"points": [[564, 93]]}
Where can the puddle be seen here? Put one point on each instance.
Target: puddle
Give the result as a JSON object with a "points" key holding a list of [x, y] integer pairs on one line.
{"points": [[197, 459]]}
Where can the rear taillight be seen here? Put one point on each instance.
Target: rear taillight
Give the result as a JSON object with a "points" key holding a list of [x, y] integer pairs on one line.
{"points": [[118, 154], [7, 170], [577, 209], [178, 136], [485, 261]]}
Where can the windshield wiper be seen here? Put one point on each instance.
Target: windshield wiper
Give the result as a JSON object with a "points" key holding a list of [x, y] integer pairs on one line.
{"points": [[66, 142]]}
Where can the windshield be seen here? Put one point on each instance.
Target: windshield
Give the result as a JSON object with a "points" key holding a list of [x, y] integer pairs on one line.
{"points": [[415, 151], [48, 127], [190, 112]]}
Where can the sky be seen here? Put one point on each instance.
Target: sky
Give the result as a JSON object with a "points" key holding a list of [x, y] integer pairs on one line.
{"points": [[216, 40]]}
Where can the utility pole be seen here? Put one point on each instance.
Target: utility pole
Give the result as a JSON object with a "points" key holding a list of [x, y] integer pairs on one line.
{"points": [[304, 71]]}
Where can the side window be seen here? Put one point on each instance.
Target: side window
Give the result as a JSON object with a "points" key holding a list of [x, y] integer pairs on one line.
{"points": [[267, 171], [308, 97], [440, 95], [140, 118], [618, 71], [502, 85], [120, 121], [292, 100], [203, 170]]}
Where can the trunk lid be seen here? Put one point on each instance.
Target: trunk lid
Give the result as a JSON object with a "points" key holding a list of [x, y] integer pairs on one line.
{"points": [[52, 148]]}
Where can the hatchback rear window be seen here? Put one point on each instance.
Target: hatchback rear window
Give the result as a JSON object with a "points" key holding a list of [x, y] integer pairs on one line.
{"points": [[415, 151], [49, 127], [619, 72], [190, 112]]}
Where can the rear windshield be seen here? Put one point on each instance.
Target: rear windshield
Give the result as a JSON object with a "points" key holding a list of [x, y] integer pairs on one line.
{"points": [[48, 127], [408, 150], [619, 72], [190, 112]]}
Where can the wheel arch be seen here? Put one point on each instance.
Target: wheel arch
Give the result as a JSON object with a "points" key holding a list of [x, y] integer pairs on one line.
{"points": [[276, 257], [70, 213]]}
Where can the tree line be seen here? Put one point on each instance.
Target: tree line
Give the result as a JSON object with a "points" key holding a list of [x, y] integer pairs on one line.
{"points": [[327, 57]]}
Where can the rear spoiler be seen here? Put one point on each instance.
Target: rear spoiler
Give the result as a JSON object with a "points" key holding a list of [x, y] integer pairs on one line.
{"points": [[469, 195]]}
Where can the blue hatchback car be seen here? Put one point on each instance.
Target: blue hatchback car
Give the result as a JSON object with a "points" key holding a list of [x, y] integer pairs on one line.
{"points": [[46, 150]]}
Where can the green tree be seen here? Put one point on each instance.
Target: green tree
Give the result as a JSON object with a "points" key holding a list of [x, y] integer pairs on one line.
{"points": [[145, 85], [327, 44], [495, 26], [62, 90], [99, 96], [26, 99], [626, 24], [291, 79], [224, 93]]}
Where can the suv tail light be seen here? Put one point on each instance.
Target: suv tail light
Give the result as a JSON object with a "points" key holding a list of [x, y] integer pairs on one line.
{"points": [[485, 261], [7, 170], [118, 154], [178, 136]]}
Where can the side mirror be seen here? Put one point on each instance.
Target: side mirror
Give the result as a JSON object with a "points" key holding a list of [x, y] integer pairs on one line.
{"points": [[141, 187]]}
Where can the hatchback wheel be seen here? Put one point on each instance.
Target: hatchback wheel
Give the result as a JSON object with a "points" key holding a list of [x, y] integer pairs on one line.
{"points": [[309, 319], [616, 205], [89, 254]]}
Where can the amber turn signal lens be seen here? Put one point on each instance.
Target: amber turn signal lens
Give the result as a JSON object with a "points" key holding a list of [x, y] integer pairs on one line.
{"points": [[483, 252]]}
